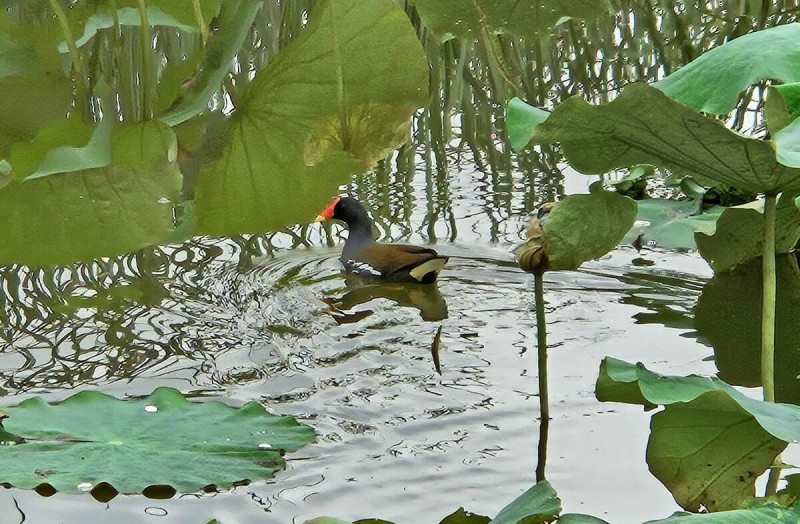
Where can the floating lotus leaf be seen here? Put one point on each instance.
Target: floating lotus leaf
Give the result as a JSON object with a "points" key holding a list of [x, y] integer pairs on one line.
{"points": [[711, 441], [161, 440], [738, 235], [770, 513], [645, 126], [713, 82], [579, 228], [672, 224], [267, 178]]}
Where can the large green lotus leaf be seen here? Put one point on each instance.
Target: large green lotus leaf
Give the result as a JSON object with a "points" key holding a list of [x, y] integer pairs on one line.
{"points": [[162, 439], [579, 228], [621, 381], [267, 177], [672, 224], [782, 106], [234, 22], [727, 318], [539, 501], [63, 147], [645, 126], [787, 141], [739, 231], [770, 513], [67, 217], [708, 452], [713, 82], [711, 441], [481, 18]]}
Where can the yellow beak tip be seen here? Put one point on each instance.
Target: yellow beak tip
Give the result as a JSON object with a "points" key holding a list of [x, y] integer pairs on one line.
{"points": [[320, 218]]}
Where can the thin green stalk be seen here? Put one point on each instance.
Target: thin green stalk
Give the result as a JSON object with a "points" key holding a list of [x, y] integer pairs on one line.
{"points": [[544, 397], [768, 300], [147, 67], [201, 22], [768, 322], [74, 54]]}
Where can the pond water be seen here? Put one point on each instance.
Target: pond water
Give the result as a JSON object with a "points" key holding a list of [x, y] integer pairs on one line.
{"points": [[272, 319], [395, 439]]}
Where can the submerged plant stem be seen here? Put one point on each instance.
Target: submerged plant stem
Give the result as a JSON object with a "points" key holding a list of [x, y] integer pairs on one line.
{"points": [[768, 277], [544, 399]]}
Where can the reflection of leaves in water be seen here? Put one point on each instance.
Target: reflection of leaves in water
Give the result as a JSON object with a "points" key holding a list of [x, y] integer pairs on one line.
{"points": [[668, 298], [728, 316], [117, 318]]}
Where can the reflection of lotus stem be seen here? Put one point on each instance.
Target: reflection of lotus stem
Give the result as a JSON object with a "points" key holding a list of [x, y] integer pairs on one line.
{"points": [[768, 321], [544, 402]]}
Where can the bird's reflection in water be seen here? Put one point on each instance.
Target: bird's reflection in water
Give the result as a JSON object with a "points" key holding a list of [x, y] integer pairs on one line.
{"points": [[424, 297]]}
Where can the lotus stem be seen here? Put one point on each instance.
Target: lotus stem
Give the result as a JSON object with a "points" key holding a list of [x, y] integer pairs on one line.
{"points": [[201, 22], [74, 54], [544, 398], [768, 300], [147, 67], [768, 277]]}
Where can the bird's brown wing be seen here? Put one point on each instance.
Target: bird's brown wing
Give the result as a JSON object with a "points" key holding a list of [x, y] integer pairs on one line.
{"points": [[398, 262], [392, 258]]}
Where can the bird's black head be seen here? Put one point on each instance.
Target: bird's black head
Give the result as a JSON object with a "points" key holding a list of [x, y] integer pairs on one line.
{"points": [[348, 210]]}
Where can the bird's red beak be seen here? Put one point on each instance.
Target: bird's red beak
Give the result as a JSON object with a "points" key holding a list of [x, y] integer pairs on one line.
{"points": [[328, 213]]}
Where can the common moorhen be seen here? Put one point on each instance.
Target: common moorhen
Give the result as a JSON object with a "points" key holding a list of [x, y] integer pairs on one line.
{"points": [[391, 262]]}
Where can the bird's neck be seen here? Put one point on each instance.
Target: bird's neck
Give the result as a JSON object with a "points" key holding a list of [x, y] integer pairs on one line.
{"points": [[359, 236]]}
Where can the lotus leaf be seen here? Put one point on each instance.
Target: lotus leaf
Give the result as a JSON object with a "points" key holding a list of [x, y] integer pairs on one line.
{"points": [[713, 82], [782, 106], [66, 217], [672, 224], [63, 147], [738, 239], [464, 517], [645, 126], [711, 441], [787, 141], [770, 513], [353, 54], [161, 440]]}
